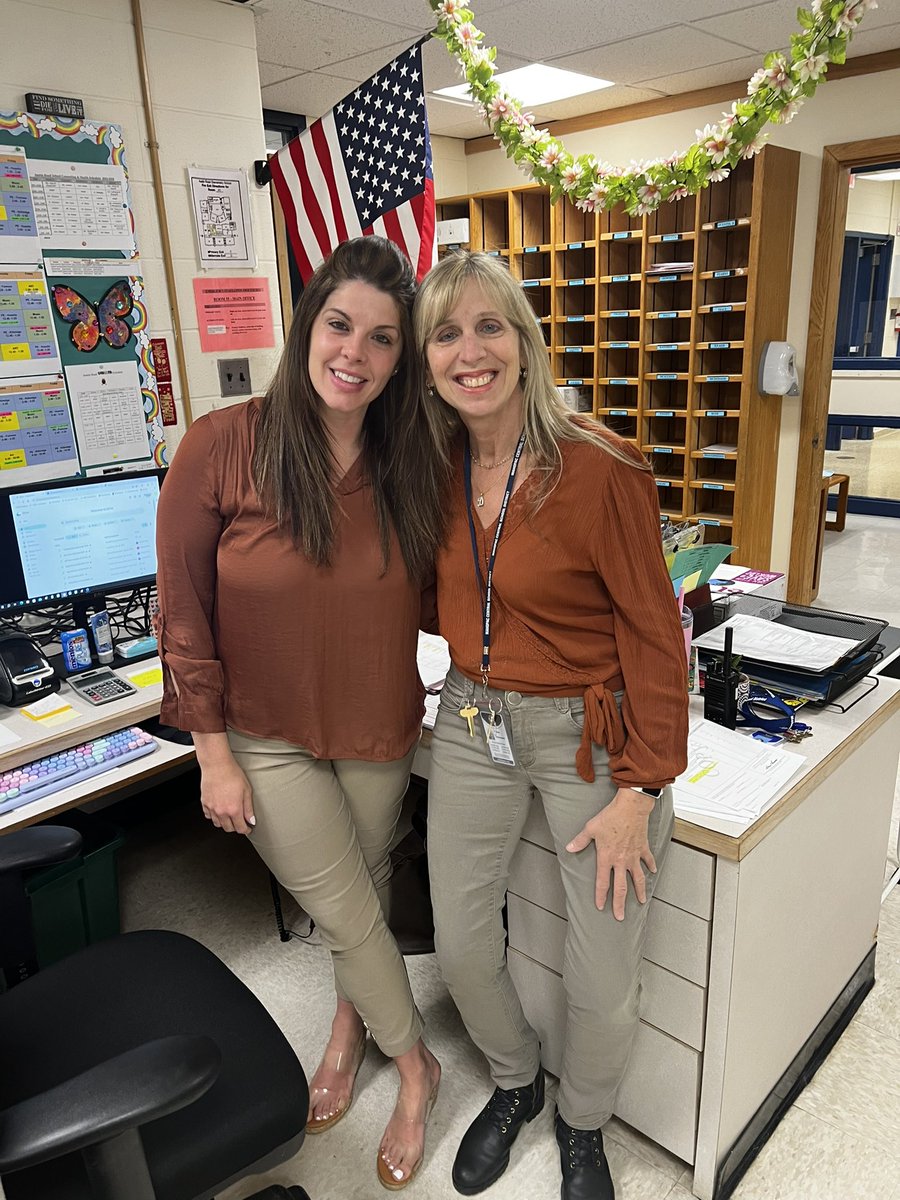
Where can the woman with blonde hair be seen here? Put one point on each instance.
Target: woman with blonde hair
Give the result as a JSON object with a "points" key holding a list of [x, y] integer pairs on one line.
{"points": [[567, 688]]}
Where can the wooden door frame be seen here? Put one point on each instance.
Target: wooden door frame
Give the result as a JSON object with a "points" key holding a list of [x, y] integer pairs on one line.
{"points": [[826, 284]]}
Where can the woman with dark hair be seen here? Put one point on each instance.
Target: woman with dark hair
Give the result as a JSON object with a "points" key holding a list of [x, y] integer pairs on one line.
{"points": [[567, 688], [296, 538]]}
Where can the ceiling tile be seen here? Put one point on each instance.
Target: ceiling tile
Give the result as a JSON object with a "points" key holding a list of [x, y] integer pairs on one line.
{"points": [[873, 40], [639, 59], [540, 30], [613, 97], [769, 26], [308, 36], [735, 70], [311, 94], [274, 73]]}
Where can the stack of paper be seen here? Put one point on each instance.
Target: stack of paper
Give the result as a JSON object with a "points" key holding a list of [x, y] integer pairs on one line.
{"points": [[730, 776], [785, 645]]}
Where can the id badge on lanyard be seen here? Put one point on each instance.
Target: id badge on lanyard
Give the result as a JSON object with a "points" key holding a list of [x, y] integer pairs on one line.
{"points": [[496, 730]]}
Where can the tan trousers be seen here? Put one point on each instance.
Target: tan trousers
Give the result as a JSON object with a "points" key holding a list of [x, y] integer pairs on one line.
{"points": [[476, 812], [324, 829]]}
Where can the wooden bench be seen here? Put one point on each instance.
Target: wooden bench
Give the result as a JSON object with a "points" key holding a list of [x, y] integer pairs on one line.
{"points": [[842, 483]]}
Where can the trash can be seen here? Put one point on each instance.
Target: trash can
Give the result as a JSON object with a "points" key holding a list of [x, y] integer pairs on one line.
{"points": [[77, 902]]}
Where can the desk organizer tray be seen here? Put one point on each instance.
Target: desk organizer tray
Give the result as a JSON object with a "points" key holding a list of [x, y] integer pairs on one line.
{"points": [[864, 630]]}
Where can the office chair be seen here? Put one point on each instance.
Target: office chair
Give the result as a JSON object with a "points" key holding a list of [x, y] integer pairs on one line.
{"points": [[139, 1068]]}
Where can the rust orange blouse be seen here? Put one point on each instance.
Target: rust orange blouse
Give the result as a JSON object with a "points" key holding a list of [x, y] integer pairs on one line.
{"points": [[582, 603], [254, 636]]}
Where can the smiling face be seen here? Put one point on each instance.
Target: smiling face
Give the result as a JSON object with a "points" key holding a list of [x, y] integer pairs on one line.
{"points": [[354, 347], [475, 359]]}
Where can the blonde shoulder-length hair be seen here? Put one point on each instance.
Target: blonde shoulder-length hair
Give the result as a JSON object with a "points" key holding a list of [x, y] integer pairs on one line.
{"points": [[547, 419]]}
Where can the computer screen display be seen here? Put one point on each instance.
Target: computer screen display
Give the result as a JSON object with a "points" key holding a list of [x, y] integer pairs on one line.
{"points": [[71, 538]]}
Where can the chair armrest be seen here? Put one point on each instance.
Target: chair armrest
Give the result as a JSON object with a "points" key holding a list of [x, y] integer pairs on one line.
{"points": [[39, 846], [122, 1093]]}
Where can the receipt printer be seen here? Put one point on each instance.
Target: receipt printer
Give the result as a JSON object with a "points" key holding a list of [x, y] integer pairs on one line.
{"points": [[25, 674]]}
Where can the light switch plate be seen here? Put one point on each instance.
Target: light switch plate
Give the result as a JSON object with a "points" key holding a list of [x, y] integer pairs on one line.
{"points": [[234, 377]]}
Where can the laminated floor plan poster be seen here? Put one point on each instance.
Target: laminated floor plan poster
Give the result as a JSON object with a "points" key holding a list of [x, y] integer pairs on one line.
{"points": [[37, 441], [28, 343], [19, 241]]}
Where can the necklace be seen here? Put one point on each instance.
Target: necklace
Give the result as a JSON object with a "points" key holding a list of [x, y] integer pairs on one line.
{"points": [[491, 466], [479, 499]]}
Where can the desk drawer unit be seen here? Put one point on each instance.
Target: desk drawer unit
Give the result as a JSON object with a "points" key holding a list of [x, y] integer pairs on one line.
{"points": [[660, 1092]]}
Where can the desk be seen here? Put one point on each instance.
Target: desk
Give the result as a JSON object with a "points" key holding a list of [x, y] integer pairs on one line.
{"points": [[34, 740], [777, 920], [760, 946]]}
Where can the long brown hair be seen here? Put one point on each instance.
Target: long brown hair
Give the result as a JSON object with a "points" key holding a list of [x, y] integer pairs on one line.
{"points": [[547, 419], [293, 463]]}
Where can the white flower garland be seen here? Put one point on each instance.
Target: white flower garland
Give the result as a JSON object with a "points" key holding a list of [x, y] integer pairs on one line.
{"points": [[774, 94]]}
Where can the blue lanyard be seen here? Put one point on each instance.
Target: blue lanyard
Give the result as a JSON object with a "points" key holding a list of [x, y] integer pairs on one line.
{"points": [[486, 586]]}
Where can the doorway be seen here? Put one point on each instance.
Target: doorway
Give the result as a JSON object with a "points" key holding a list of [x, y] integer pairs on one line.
{"points": [[847, 319]]}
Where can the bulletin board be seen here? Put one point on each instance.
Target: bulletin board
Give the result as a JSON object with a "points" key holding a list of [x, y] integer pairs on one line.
{"points": [[75, 352]]}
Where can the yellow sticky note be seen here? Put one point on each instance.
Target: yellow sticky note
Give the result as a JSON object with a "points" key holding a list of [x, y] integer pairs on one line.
{"points": [[142, 679], [50, 711], [691, 581]]}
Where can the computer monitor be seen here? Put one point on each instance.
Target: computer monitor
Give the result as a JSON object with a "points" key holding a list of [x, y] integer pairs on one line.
{"points": [[70, 542]]}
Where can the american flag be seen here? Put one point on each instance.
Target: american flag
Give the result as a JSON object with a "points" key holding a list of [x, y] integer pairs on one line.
{"points": [[363, 168]]}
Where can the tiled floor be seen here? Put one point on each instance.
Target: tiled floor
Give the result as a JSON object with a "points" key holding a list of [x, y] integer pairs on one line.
{"points": [[840, 1141]]}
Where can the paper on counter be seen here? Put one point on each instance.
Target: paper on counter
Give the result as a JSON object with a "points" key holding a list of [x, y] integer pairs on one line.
{"points": [[8, 737], [778, 644], [432, 659], [730, 776]]}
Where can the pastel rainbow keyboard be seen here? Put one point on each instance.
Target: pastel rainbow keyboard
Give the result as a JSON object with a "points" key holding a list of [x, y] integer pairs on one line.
{"points": [[33, 780]]}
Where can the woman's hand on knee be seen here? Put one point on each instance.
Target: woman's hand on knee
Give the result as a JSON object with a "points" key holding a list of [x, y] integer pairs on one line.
{"points": [[225, 793]]}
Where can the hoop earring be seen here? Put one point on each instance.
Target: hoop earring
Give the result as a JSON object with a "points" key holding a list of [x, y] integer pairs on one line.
{"points": [[523, 373]]}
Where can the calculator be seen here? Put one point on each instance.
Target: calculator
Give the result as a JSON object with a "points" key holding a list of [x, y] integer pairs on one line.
{"points": [[101, 686]]}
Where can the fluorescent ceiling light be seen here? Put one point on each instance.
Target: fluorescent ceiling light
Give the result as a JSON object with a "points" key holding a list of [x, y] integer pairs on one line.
{"points": [[881, 176], [535, 84]]}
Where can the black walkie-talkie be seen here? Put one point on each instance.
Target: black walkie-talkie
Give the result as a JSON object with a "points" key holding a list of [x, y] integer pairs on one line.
{"points": [[720, 688]]}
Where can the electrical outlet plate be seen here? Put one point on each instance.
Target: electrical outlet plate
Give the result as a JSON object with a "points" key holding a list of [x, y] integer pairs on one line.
{"points": [[234, 377]]}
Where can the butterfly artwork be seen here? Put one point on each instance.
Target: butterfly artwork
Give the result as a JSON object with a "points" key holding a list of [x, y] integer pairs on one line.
{"points": [[88, 324]]}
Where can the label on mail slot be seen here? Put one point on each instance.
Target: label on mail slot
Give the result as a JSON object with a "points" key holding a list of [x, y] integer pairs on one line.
{"points": [[722, 308], [531, 249], [571, 319], [575, 246]]}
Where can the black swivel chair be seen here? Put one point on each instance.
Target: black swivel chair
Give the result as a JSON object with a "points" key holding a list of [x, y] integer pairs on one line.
{"points": [[139, 1068]]}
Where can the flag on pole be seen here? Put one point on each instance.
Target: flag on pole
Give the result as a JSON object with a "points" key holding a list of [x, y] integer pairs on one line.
{"points": [[363, 168]]}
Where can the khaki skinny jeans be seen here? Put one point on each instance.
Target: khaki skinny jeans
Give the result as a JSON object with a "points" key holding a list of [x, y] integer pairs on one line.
{"points": [[476, 813], [324, 829]]}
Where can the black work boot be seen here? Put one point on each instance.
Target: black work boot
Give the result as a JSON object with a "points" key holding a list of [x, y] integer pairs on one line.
{"points": [[483, 1154], [585, 1170]]}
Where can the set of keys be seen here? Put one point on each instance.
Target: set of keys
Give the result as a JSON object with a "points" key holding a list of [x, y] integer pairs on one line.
{"points": [[797, 732], [491, 719]]}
